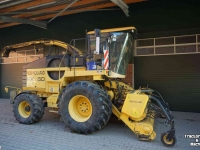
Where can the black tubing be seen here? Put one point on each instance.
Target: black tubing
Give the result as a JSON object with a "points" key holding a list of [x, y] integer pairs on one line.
{"points": [[159, 103], [147, 91]]}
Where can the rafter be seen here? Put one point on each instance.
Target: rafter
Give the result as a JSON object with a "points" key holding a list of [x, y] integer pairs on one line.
{"points": [[122, 5], [9, 24], [37, 23], [24, 6], [13, 3], [88, 8], [74, 1], [55, 8], [96, 7]]}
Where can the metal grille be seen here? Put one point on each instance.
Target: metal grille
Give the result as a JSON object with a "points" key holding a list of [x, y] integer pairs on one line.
{"points": [[168, 45], [146, 42], [186, 49], [145, 51], [198, 36], [164, 50], [198, 48], [186, 39], [164, 41]]}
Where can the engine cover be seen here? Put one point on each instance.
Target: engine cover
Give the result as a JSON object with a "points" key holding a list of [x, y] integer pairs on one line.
{"points": [[135, 105]]}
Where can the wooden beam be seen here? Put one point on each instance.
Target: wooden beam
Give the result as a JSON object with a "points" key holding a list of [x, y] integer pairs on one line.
{"points": [[13, 3], [24, 6], [60, 7], [37, 23], [9, 24], [76, 11], [87, 8]]}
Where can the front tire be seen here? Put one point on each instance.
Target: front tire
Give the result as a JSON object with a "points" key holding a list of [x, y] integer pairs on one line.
{"points": [[28, 108], [85, 107]]}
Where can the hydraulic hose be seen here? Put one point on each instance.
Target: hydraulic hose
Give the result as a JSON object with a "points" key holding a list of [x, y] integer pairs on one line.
{"points": [[161, 106]]}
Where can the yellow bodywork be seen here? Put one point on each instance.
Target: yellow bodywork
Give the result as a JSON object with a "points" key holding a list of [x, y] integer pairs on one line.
{"points": [[114, 30], [135, 105], [134, 114], [134, 110], [52, 100], [39, 80]]}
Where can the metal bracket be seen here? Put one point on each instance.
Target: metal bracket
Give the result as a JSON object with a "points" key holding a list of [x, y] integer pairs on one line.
{"points": [[13, 3], [41, 24], [122, 5], [74, 1]]}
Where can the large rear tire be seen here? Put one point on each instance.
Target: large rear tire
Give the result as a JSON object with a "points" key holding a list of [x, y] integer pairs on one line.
{"points": [[28, 108], [85, 107]]}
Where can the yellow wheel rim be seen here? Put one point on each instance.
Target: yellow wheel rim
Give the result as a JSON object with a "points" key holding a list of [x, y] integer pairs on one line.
{"points": [[166, 141], [24, 109], [80, 108]]}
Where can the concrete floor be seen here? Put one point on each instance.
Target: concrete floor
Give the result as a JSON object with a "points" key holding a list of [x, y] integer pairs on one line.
{"points": [[50, 134]]}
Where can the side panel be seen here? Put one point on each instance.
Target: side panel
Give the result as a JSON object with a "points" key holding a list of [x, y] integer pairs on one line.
{"points": [[36, 78], [135, 105]]}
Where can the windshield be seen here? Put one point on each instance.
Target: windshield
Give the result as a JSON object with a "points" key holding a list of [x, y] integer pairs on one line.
{"points": [[121, 51]]}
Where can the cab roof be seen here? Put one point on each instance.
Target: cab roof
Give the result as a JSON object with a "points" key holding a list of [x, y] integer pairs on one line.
{"points": [[114, 29]]}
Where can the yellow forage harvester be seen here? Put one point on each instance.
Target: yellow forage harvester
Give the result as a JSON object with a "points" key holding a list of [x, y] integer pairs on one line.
{"points": [[85, 88]]}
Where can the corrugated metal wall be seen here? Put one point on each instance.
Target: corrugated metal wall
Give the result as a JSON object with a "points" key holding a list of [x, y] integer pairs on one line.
{"points": [[176, 77], [11, 75]]}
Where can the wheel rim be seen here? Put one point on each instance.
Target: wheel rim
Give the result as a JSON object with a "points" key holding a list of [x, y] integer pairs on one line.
{"points": [[80, 108], [24, 109], [166, 141]]}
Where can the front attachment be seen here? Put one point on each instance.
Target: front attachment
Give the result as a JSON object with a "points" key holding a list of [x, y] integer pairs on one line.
{"points": [[157, 103]]}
